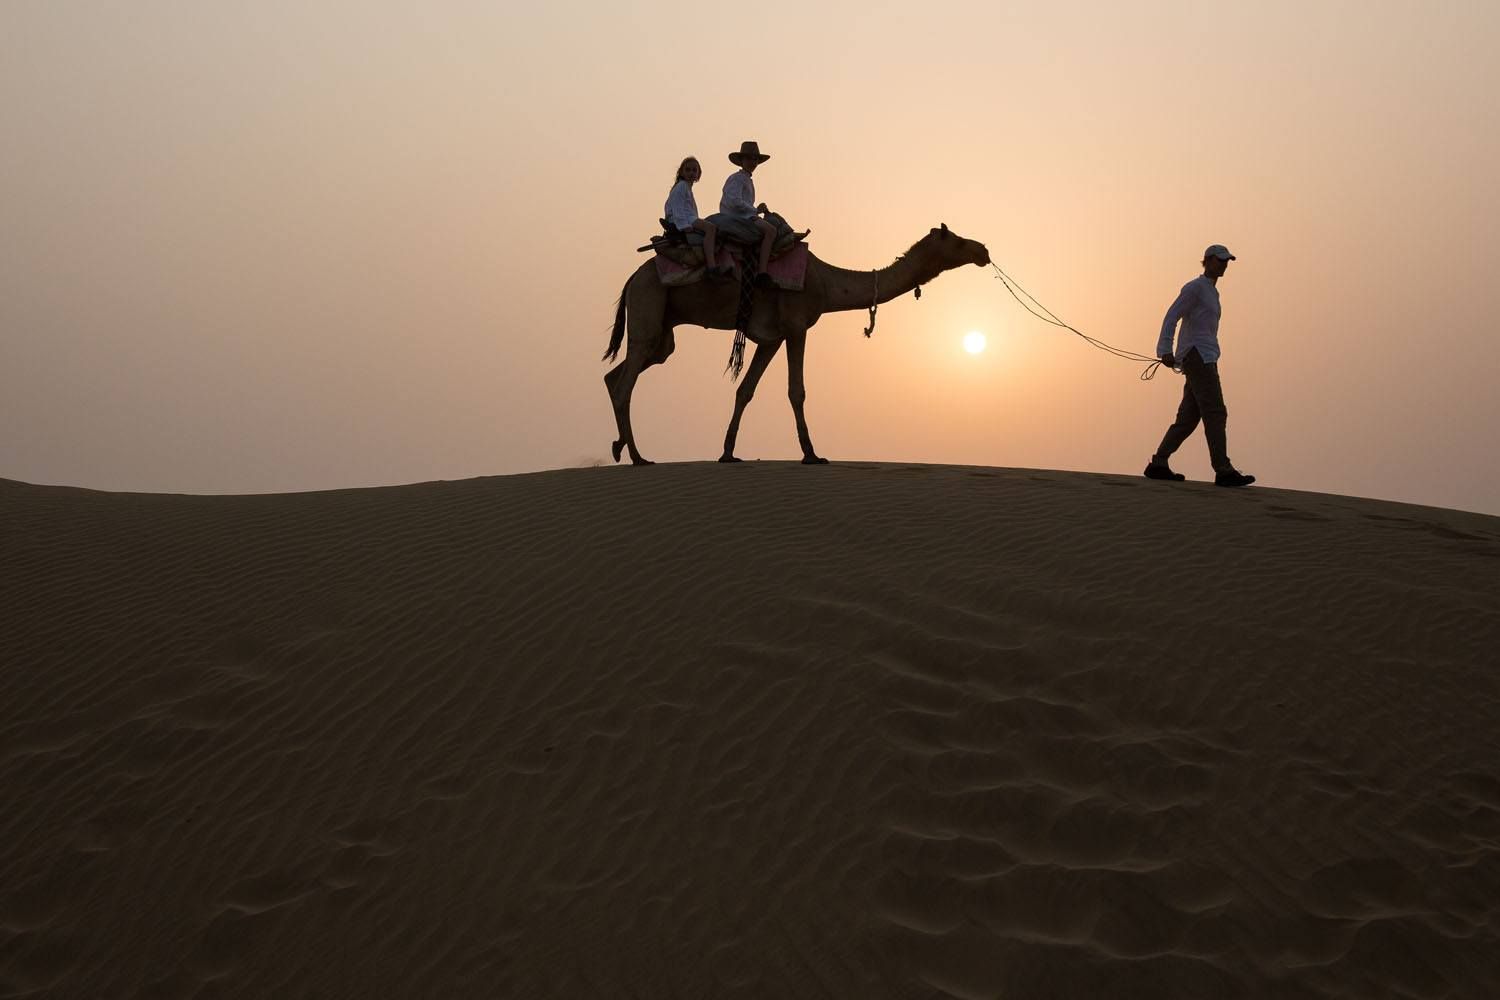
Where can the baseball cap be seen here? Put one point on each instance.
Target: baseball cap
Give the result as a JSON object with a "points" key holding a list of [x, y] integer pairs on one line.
{"points": [[1220, 251]]}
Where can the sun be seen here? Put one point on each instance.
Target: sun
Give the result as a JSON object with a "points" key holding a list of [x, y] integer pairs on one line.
{"points": [[973, 341]]}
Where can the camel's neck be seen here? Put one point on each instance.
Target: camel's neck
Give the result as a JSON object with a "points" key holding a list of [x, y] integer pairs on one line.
{"points": [[861, 289]]}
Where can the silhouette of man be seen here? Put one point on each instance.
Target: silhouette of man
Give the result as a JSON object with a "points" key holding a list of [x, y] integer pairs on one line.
{"points": [[739, 217], [1197, 356]]}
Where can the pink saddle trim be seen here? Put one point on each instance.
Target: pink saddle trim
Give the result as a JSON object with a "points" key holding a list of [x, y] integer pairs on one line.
{"points": [[672, 273], [789, 271]]}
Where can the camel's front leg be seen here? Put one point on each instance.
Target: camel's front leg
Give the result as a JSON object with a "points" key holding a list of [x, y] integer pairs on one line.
{"points": [[763, 355], [796, 346]]}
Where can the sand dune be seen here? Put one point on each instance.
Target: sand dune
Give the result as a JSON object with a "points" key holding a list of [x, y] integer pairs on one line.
{"points": [[762, 731]]}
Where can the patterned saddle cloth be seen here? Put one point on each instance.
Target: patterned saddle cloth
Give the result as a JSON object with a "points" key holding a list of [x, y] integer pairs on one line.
{"points": [[788, 269], [682, 264]]}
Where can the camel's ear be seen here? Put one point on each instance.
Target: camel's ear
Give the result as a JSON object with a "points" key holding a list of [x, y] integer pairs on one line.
{"points": [[945, 227]]}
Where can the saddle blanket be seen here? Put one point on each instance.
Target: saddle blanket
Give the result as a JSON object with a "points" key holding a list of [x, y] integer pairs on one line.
{"points": [[788, 272]]}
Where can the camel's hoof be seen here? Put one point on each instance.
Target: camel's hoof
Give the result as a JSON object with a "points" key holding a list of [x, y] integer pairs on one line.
{"points": [[814, 460], [616, 448], [726, 458], [640, 461]]}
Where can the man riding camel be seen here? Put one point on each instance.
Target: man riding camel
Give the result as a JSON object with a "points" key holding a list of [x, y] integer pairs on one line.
{"points": [[739, 217]]}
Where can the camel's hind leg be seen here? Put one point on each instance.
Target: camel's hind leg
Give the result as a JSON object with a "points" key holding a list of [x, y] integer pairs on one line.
{"points": [[650, 341], [620, 381]]}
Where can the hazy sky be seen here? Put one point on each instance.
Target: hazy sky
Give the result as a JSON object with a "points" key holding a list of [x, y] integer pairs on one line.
{"points": [[251, 247]]}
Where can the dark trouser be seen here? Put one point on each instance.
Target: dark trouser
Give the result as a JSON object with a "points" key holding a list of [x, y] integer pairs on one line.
{"points": [[1202, 401]]}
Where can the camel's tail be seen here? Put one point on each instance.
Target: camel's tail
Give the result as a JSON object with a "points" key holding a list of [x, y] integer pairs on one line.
{"points": [[615, 338]]}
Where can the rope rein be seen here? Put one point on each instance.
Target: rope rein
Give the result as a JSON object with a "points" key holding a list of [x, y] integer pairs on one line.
{"points": [[1041, 312], [1029, 303], [1049, 317]]}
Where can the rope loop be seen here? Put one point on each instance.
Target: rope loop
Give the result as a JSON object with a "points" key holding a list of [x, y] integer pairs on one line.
{"points": [[874, 303]]}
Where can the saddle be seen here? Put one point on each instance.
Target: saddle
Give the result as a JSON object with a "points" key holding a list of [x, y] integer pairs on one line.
{"points": [[679, 262]]}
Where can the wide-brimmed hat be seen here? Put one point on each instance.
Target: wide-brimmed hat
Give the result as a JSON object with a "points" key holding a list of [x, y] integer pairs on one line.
{"points": [[749, 149]]}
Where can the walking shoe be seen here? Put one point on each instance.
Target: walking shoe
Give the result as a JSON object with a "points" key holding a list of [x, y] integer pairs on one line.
{"points": [[1154, 471], [1233, 478]]}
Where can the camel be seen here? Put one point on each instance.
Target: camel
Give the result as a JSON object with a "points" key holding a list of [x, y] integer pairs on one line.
{"points": [[653, 310]]}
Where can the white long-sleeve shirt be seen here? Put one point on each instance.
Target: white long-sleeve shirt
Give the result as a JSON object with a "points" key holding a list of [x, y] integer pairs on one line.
{"points": [[1197, 307], [682, 207], [739, 195]]}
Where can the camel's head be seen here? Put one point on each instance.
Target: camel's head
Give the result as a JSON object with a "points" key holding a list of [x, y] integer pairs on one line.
{"points": [[955, 251]]}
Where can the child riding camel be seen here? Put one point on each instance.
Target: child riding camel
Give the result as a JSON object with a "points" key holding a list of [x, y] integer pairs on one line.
{"points": [[682, 213], [739, 217]]}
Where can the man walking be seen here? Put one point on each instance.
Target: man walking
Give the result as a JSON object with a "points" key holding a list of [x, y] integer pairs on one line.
{"points": [[1197, 355]]}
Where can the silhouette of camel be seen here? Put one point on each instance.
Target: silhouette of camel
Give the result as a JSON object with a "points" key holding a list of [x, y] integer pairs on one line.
{"points": [[779, 316]]}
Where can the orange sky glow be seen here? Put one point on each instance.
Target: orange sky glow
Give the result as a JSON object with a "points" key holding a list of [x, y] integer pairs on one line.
{"points": [[287, 246]]}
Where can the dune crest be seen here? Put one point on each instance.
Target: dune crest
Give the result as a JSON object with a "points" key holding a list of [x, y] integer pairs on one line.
{"points": [[760, 730]]}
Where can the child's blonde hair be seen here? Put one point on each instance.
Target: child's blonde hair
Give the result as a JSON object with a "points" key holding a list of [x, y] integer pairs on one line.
{"points": [[683, 166]]}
